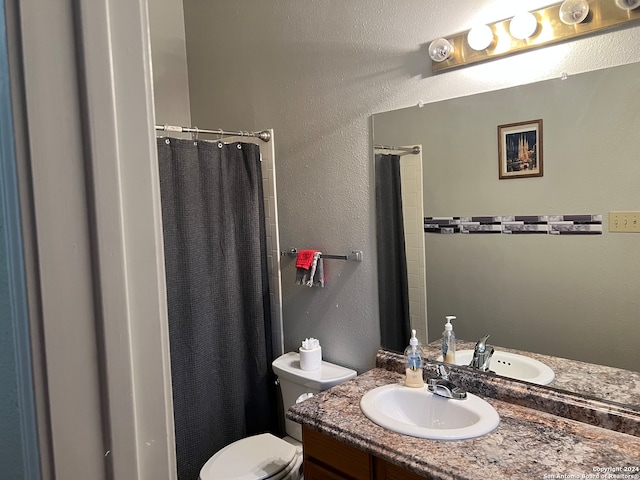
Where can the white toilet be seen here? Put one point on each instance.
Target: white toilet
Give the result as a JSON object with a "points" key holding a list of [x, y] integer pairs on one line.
{"points": [[265, 456]]}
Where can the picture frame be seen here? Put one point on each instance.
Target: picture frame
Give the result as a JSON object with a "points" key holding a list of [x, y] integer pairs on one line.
{"points": [[520, 150]]}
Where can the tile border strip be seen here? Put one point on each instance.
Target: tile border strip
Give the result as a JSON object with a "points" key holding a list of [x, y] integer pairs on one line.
{"points": [[517, 224]]}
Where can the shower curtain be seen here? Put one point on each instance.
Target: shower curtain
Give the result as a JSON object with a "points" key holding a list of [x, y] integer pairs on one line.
{"points": [[393, 284], [217, 295]]}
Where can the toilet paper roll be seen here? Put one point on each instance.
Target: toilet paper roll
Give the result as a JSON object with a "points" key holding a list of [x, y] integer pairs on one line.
{"points": [[311, 359]]}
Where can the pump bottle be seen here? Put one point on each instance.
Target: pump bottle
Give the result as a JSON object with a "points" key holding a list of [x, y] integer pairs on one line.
{"points": [[449, 342], [414, 356]]}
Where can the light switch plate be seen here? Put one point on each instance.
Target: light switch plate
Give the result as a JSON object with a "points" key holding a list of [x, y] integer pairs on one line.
{"points": [[627, 222]]}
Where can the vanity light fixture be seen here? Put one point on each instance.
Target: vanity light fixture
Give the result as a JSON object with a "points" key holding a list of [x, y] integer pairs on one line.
{"points": [[573, 12], [480, 37], [553, 24], [627, 4], [523, 25], [440, 50]]}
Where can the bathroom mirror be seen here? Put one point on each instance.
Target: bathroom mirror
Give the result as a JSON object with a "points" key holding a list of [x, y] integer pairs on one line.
{"points": [[572, 295]]}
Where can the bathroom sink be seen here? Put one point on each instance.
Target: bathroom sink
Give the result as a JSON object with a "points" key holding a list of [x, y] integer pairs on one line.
{"points": [[420, 413], [513, 366]]}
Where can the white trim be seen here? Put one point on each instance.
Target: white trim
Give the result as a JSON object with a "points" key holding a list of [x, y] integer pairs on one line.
{"points": [[62, 278], [128, 227], [90, 161]]}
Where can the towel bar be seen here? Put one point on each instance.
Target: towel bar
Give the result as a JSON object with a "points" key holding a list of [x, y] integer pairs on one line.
{"points": [[355, 255]]}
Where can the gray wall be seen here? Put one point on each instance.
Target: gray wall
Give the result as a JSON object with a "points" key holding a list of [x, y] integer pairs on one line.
{"points": [[316, 72], [169, 59], [569, 296]]}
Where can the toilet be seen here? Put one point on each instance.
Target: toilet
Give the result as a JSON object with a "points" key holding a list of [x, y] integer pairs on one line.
{"points": [[265, 456]]}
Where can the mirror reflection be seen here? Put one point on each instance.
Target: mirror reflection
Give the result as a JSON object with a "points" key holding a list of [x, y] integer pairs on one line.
{"points": [[569, 295], [400, 236]]}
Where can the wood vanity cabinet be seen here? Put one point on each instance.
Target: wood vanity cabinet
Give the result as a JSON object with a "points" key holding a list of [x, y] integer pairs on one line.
{"points": [[326, 458]]}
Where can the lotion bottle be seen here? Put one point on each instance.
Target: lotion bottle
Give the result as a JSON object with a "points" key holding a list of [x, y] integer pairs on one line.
{"points": [[449, 342], [414, 356]]}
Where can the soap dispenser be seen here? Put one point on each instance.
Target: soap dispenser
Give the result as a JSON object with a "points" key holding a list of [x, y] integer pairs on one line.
{"points": [[449, 342], [414, 356]]}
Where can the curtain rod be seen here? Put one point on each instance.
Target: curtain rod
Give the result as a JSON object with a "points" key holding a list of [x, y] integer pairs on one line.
{"points": [[264, 135], [414, 150]]}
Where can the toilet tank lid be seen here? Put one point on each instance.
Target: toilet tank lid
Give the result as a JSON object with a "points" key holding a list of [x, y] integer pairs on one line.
{"points": [[252, 458], [329, 374]]}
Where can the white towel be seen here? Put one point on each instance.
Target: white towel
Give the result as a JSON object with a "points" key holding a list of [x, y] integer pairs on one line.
{"points": [[314, 277]]}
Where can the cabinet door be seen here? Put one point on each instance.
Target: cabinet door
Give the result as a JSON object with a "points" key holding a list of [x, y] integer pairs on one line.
{"points": [[335, 456], [313, 471], [388, 471]]}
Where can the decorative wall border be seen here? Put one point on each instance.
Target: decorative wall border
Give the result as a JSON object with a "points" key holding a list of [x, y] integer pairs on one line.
{"points": [[517, 224]]}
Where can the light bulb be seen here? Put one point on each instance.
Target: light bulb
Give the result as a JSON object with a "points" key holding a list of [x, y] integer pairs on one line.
{"points": [[523, 25], [480, 37], [573, 12], [628, 4], [440, 49]]}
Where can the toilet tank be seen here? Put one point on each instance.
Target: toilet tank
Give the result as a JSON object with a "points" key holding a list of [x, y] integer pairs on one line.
{"points": [[294, 382]]}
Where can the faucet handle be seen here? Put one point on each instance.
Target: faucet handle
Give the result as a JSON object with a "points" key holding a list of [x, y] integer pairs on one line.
{"points": [[442, 372], [482, 355], [481, 344]]}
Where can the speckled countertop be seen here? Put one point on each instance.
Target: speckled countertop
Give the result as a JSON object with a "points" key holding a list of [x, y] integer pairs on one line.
{"points": [[527, 444], [564, 403], [596, 381]]}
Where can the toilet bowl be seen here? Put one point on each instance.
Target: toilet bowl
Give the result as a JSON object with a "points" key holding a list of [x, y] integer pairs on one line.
{"points": [[265, 456]]}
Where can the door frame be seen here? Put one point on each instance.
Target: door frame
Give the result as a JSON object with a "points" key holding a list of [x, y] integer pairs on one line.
{"points": [[90, 210]]}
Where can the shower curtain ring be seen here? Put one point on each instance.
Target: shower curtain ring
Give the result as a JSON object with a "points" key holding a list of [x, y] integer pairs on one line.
{"points": [[194, 135]]}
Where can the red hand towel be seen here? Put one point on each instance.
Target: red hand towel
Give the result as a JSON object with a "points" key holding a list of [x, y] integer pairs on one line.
{"points": [[305, 259]]}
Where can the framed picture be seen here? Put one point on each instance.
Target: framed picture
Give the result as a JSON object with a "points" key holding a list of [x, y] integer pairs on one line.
{"points": [[520, 149]]}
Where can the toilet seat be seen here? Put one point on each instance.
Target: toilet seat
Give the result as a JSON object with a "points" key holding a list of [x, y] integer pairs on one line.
{"points": [[259, 457]]}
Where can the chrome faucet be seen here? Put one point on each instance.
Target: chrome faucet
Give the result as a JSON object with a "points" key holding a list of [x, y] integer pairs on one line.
{"points": [[444, 387], [482, 355]]}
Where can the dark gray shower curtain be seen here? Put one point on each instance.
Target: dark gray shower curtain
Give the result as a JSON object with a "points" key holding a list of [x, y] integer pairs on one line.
{"points": [[393, 284], [217, 295]]}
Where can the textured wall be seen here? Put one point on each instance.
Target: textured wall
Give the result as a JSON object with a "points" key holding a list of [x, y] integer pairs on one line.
{"points": [[315, 71]]}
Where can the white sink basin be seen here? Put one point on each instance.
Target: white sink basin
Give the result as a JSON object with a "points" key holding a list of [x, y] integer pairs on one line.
{"points": [[512, 365], [420, 413]]}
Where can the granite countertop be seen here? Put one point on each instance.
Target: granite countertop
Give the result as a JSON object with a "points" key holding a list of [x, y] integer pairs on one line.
{"points": [[526, 444], [613, 384]]}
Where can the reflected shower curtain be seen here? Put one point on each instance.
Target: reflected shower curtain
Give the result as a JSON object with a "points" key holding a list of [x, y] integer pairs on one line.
{"points": [[217, 295], [393, 284]]}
